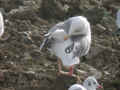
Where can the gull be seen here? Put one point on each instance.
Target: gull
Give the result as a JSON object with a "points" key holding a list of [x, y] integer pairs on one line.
{"points": [[69, 40], [1, 33], [89, 84], [1, 25], [118, 19], [117, 32]]}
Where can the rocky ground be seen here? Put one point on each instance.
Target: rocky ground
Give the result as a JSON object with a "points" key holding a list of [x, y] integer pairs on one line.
{"points": [[24, 67]]}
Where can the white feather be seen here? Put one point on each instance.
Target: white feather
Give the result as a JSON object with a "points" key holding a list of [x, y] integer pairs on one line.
{"points": [[118, 19], [1, 24], [90, 80]]}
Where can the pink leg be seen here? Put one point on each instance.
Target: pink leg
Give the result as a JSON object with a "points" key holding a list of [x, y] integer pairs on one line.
{"points": [[59, 66], [71, 71]]}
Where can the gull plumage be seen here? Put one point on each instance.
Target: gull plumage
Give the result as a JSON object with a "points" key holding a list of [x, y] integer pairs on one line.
{"points": [[69, 40]]}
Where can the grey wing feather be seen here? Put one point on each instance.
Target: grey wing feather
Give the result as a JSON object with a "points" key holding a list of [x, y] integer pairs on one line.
{"points": [[77, 49], [54, 28], [66, 26], [43, 43], [47, 42], [81, 47], [48, 39]]}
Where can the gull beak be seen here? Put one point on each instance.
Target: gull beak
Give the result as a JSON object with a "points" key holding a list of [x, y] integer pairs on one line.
{"points": [[66, 37], [99, 86]]}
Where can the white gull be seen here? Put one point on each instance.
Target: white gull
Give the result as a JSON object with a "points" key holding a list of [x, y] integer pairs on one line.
{"points": [[69, 40], [89, 84]]}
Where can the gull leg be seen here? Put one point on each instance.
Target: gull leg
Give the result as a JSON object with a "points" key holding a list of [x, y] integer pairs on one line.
{"points": [[59, 66], [70, 73], [71, 70]]}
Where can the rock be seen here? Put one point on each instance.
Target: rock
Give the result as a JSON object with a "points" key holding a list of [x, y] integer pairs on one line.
{"points": [[8, 5], [63, 82], [88, 70], [23, 13], [54, 6], [94, 14]]}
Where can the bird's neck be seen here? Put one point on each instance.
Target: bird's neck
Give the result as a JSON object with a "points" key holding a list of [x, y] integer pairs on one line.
{"points": [[89, 88]]}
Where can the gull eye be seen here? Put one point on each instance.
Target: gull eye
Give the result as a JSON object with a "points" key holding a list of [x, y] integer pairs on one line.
{"points": [[94, 82], [89, 84]]}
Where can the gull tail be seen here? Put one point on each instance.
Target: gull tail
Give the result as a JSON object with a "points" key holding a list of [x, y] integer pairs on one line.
{"points": [[43, 43]]}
